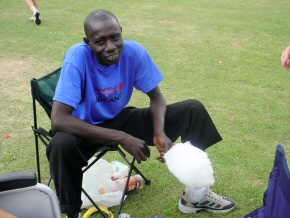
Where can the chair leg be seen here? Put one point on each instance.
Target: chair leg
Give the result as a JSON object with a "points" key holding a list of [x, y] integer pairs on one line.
{"points": [[137, 171], [49, 181], [126, 186], [95, 205], [132, 167], [97, 158], [37, 158]]}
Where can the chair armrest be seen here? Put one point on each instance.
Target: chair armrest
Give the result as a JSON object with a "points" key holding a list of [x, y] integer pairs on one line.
{"points": [[42, 131], [15, 180]]}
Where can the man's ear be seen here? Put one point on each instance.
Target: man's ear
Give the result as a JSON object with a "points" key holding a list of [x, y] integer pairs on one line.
{"points": [[86, 41]]}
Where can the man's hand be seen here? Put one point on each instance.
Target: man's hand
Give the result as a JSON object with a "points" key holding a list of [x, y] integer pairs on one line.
{"points": [[136, 147], [163, 144], [285, 58]]}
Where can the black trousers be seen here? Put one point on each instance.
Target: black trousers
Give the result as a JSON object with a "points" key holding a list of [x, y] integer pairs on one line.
{"points": [[67, 153]]}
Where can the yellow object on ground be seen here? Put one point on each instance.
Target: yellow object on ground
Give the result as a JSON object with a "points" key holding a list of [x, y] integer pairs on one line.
{"points": [[93, 210]]}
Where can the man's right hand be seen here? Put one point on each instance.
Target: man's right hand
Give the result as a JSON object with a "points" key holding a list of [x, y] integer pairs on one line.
{"points": [[136, 147]]}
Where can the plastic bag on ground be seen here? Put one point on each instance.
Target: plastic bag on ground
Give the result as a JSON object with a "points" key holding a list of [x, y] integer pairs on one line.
{"points": [[98, 184], [120, 170]]}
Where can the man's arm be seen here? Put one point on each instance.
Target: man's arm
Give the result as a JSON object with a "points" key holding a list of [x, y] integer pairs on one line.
{"points": [[63, 120], [158, 110]]}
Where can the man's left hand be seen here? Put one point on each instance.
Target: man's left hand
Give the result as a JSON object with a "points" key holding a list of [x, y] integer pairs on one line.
{"points": [[163, 144]]}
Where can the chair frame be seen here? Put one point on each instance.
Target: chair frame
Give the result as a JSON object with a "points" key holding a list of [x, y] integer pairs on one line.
{"points": [[18, 191], [44, 136]]}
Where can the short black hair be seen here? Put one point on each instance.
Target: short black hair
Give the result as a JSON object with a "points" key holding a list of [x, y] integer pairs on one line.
{"points": [[98, 15]]}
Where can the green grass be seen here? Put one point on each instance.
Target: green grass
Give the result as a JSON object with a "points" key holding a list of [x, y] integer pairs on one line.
{"points": [[224, 53]]}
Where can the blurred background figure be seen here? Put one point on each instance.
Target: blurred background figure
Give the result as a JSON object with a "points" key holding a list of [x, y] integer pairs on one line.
{"points": [[33, 4], [285, 58]]}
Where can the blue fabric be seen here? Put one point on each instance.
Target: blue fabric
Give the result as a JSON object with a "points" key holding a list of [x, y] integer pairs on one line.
{"points": [[99, 93], [277, 196]]}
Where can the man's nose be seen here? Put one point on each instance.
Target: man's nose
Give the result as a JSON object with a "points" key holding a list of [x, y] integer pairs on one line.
{"points": [[110, 45]]}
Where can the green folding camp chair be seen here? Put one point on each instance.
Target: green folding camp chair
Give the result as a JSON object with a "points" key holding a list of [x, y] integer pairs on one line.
{"points": [[43, 90]]}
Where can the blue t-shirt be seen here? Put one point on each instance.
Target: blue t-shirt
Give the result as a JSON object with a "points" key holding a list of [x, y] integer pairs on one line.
{"points": [[99, 93]]}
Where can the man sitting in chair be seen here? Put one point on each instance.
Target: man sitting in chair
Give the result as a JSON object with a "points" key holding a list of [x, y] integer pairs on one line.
{"points": [[95, 85]]}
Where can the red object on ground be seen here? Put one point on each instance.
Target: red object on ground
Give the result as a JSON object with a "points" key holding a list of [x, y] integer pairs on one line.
{"points": [[7, 136]]}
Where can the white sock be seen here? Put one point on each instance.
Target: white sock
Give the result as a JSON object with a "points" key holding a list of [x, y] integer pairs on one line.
{"points": [[34, 9], [196, 192]]}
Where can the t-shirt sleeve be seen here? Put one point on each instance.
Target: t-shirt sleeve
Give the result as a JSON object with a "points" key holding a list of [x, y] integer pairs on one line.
{"points": [[68, 90], [147, 75]]}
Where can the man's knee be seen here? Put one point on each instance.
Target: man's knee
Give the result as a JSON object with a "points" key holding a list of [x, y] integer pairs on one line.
{"points": [[195, 105], [62, 144]]}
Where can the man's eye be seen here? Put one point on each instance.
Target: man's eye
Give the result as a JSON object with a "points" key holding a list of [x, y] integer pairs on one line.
{"points": [[99, 42], [116, 37]]}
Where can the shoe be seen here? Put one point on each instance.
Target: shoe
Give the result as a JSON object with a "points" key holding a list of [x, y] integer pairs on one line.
{"points": [[210, 202], [37, 18]]}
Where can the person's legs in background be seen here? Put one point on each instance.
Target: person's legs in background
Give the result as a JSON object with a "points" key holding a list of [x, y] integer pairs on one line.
{"points": [[33, 4]]}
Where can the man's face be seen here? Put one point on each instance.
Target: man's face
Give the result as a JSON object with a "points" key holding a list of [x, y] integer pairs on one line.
{"points": [[105, 39]]}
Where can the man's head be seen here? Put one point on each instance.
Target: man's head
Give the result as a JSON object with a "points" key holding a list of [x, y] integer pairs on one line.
{"points": [[104, 36]]}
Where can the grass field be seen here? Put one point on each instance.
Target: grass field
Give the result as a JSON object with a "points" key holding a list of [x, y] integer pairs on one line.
{"points": [[224, 53]]}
